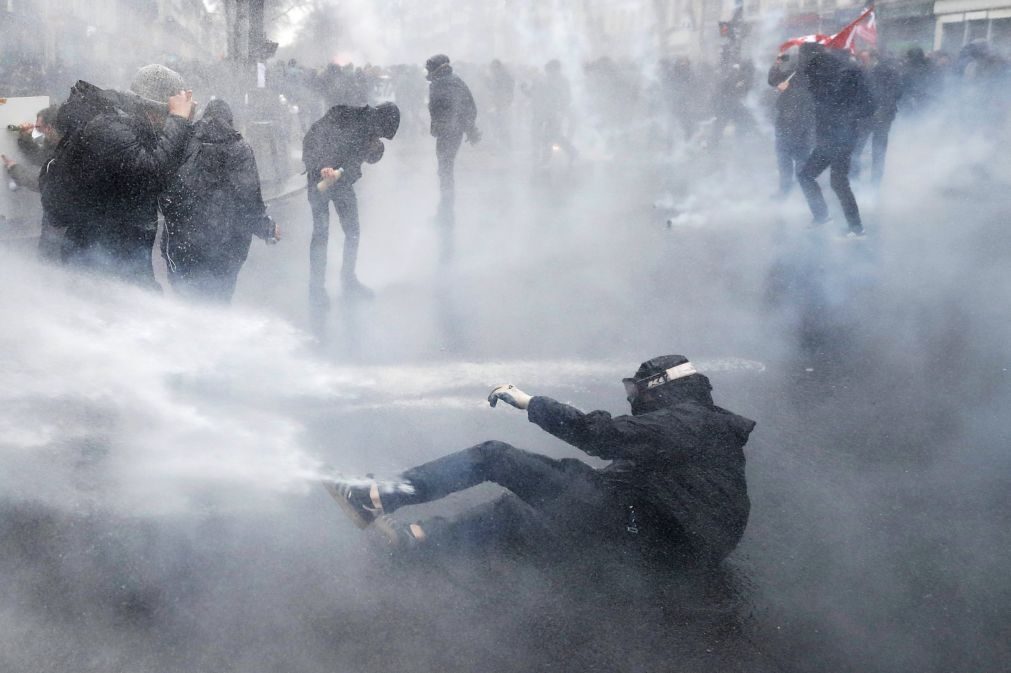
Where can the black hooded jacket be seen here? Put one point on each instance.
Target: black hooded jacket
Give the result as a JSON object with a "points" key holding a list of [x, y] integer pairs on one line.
{"points": [[679, 461], [842, 98], [794, 109], [110, 167], [341, 139], [450, 104], [213, 205]]}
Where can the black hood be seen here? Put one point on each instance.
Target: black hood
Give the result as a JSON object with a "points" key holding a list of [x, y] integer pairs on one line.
{"points": [[346, 113], [219, 109], [87, 101], [215, 131], [442, 71], [385, 120], [216, 124]]}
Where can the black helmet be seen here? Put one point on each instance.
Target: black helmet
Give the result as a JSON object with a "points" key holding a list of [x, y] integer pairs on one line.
{"points": [[664, 381], [385, 120]]}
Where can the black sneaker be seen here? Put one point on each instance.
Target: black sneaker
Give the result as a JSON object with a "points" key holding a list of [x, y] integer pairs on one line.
{"points": [[397, 533], [355, 500]]}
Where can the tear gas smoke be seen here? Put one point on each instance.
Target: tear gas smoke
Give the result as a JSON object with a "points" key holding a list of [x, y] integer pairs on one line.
{"points": [[159, 460]]}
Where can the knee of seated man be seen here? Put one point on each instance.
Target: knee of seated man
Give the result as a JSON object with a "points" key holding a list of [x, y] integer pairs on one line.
{"points": [[493, 449]]}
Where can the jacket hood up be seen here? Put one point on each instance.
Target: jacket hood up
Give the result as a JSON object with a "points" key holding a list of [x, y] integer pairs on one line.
{"points": [[694, 388]]}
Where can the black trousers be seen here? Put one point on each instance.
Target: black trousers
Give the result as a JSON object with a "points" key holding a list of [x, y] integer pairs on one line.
{"points": [[793, 147], [346, 204], [207, 280], [123, 252], [877, 132], [836, 157], [446, 149], [551, 502]]}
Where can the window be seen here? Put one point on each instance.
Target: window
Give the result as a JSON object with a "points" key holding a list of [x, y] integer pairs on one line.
{"points": [[977, 30], [1000, 34], [952, 36]]}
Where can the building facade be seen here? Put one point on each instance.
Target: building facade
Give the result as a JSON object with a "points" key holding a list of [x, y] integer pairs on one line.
{"points": [[959, 22]]}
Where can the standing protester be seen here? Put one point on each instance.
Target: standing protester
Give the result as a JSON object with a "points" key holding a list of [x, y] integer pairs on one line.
{"points": [[333, 152], [212, 209], [502, 89], [886, 89], [38, 155], [680, 92], [842, 99], [454, 113], [794, 117], [551, 98], [921, 82], [117, 152], [735, 80], [675, 490]]}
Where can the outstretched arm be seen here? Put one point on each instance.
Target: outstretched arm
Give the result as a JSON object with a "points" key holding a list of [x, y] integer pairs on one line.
{"points": [[595, 433]]}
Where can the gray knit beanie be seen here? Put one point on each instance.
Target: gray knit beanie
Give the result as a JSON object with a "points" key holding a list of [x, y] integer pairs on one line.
{"points": [[155, 84]]}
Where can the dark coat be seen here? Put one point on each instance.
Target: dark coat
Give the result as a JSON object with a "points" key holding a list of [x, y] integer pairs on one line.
{"points": [[886, 88], [450, 104], [794, 108], [110, 171], [921, 83], [681, 466], [213, 205], [341, 139], [842, 99]]}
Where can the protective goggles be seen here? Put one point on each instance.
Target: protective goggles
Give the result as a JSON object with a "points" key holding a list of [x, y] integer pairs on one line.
{"points": [[636, 387]]}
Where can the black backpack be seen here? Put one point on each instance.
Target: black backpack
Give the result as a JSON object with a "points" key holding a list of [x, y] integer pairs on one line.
{"points": [[58, 181]]}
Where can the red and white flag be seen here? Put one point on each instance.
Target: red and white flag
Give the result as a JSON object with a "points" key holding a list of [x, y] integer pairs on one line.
{"points": [[863, 29]]}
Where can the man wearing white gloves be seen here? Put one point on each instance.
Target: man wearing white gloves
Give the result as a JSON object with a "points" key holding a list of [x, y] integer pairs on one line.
{"points": [[675, 491]]}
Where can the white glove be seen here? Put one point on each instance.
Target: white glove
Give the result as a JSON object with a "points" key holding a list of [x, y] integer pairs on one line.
{"points": [[509, 394]]}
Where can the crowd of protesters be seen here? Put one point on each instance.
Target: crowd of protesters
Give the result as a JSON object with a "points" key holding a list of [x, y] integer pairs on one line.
{"points": [[112, 161]]}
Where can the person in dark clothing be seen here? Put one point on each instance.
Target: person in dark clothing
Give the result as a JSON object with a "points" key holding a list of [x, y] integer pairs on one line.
{"points": [[886, 89], [921, 82], [454, 115], [841, 99], [675, 489], [736, 78], [35, 153], [333, 152], [38, 155], [501, 88], [212, 209], [680, 92], [550, 100], [104, 182], [794, 123]]}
